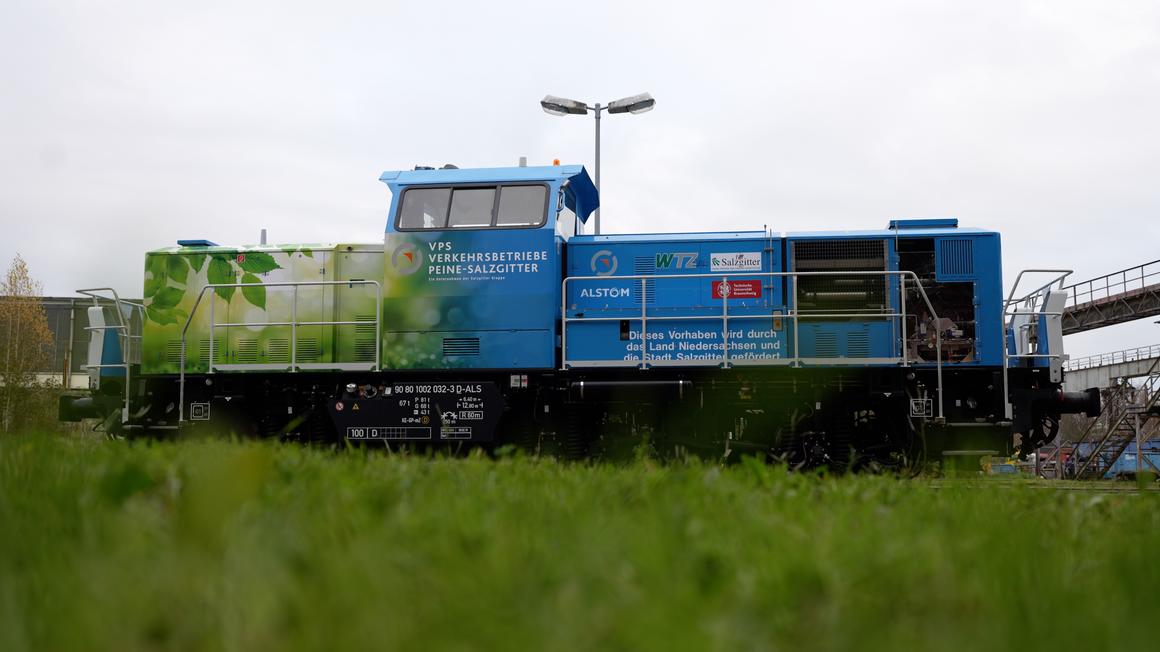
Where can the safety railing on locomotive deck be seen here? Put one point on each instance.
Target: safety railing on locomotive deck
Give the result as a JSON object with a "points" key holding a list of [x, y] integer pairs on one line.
{"points": [[129, 340], [293, 365], [792, 313], [1029, 306]]}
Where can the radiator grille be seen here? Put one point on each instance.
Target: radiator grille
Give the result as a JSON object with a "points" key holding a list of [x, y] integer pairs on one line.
{"points": [[457, 346], [956, 258], [856, 293]]}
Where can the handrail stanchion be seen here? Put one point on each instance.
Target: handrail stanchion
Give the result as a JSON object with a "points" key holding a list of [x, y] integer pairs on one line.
{"points": [[294, 330], [378, 327], [643, 323], [212, 333], [797, 354], [902, 294], [564, 325], [724, 290]]}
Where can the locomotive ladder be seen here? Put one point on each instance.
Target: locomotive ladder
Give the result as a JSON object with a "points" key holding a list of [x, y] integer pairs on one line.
{"points": [[294, 323], [130, 342], [1021, 316], [792, 313]]}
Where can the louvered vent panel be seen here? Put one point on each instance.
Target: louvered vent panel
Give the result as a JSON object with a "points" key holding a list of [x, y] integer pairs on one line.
{"points": [[955, 258], [173, 351], [858, 344], [642, 265], [219, 355], [278, 350], [247, 351], [460, 346], [827, 345], [364, 338], [309, 350]]}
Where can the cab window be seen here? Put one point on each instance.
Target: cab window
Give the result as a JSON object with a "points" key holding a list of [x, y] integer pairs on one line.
{"points": [[473, 207], [424, 208], [521, 206]]}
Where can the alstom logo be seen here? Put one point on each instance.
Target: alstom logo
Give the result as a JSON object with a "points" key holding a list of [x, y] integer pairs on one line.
{"points": [[604, 293], [678, 260]]}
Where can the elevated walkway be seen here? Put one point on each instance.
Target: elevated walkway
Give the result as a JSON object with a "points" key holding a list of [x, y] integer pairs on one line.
{"points": [[1103, 369], [1115, 298]]}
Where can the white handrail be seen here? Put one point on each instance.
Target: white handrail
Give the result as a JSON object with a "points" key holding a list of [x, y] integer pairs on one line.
{"points": [[293, 323], [792, 313]]}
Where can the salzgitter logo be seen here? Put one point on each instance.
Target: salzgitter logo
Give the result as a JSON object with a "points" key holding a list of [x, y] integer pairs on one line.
{"points": [[603, 263], [407, 258]]}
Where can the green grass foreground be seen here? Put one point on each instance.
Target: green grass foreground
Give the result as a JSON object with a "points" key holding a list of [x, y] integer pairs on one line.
{"points": [[220, 545]]}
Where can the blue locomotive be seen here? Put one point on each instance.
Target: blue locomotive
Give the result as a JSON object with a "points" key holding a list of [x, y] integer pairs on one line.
{"points": [[487, 317]]}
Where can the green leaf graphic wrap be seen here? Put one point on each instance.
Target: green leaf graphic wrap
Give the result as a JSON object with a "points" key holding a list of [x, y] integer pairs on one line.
{"points": [[178, 268], [257, 262], [196, 261], [255, 293], [220, 271], [153, 284], [162, 317], [166, 298]]}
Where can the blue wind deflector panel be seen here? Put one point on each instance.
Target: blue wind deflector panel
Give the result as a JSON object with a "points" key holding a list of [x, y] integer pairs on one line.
{"points": [[926, 223]]}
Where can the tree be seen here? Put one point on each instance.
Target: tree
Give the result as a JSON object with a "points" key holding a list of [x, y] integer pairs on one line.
{"points": [[25, 345]]}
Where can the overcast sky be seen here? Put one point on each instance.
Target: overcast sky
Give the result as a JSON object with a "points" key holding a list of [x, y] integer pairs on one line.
{"points": [[125, 126]]}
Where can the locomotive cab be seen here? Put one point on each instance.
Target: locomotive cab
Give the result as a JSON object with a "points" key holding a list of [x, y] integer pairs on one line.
{"points": [[474, 262]]}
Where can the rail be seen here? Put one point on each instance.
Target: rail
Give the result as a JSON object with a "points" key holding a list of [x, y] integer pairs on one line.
{"points": [[130, 343], [792, 313], [294, 365], [1107, 286], [1117, 357]]}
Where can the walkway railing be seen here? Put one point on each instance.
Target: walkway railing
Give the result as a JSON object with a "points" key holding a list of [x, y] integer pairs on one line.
{"points": [[1116, 357], [1116, 283], [294, 323], [644, 361]]}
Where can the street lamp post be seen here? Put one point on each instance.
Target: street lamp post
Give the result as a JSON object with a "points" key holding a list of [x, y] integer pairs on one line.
{"points": [[562, 106]]}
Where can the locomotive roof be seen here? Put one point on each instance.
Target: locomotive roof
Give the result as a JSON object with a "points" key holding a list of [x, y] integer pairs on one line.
{"points": [[921, 232], [672, 237], [576, 176]]}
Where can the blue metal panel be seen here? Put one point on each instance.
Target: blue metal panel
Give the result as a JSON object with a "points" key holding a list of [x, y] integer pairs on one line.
{"points": [[988, 299], [682, 313], [847, 340], [924, 223]]}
